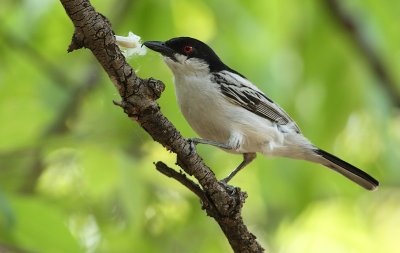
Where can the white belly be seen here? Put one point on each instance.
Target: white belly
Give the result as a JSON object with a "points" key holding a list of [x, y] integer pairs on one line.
{"points": [[213, 117]]}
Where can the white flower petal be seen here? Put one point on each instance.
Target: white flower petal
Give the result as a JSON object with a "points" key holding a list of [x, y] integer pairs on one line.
{"points": [[130, 45]]}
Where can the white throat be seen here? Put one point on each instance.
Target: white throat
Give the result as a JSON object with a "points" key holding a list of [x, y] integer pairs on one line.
{"points": [[184, 66]]}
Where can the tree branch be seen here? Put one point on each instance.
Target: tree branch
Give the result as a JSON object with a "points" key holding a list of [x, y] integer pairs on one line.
{"points": [[93, 31]]}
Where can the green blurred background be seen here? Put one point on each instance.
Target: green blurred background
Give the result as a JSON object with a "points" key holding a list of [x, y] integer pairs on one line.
{"points": [[76, 175]]}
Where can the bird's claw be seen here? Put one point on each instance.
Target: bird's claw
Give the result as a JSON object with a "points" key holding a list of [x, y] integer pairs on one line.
{"points": [[192, 143], [230, 188]]}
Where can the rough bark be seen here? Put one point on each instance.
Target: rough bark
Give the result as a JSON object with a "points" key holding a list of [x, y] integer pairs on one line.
{"points": [[138, 99]]}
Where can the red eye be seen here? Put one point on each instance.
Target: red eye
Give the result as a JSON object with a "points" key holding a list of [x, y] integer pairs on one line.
{"points": [[188, 49]]}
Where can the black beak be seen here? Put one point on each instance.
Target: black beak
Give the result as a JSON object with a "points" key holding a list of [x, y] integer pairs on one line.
{"points": [[160, 47]]}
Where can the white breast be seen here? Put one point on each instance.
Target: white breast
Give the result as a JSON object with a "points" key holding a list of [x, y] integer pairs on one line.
{"points": [[202, 105]]}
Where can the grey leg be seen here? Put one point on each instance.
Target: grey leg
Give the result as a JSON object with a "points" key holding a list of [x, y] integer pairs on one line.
{"points": [[247, 158], [196, 141]]}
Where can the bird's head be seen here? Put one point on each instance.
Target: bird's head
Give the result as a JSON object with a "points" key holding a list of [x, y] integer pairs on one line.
{"points": [[185, 55]]}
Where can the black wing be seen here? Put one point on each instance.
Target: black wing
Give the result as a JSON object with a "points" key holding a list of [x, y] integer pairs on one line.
{"points": [[252, 99]]}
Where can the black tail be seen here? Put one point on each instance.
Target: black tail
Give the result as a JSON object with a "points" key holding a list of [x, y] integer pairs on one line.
{"points": [[346, 169]]}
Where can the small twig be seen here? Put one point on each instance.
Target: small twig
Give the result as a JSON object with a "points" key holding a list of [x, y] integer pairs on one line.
{"points": [[181, 177]]}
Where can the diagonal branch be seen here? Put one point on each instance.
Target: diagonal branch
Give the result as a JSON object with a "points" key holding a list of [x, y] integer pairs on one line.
{"points": [[93, 31], [350, 25]]}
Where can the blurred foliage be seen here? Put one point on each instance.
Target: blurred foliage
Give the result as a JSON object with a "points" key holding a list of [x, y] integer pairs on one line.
{"points": [[76, 175]]}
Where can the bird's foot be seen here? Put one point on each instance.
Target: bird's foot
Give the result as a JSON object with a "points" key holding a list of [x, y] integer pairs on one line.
{"points": [[230, 188], [192, 143]]}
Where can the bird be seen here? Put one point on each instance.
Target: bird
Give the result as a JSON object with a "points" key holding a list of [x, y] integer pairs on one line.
{"points": [[229, 112]]}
